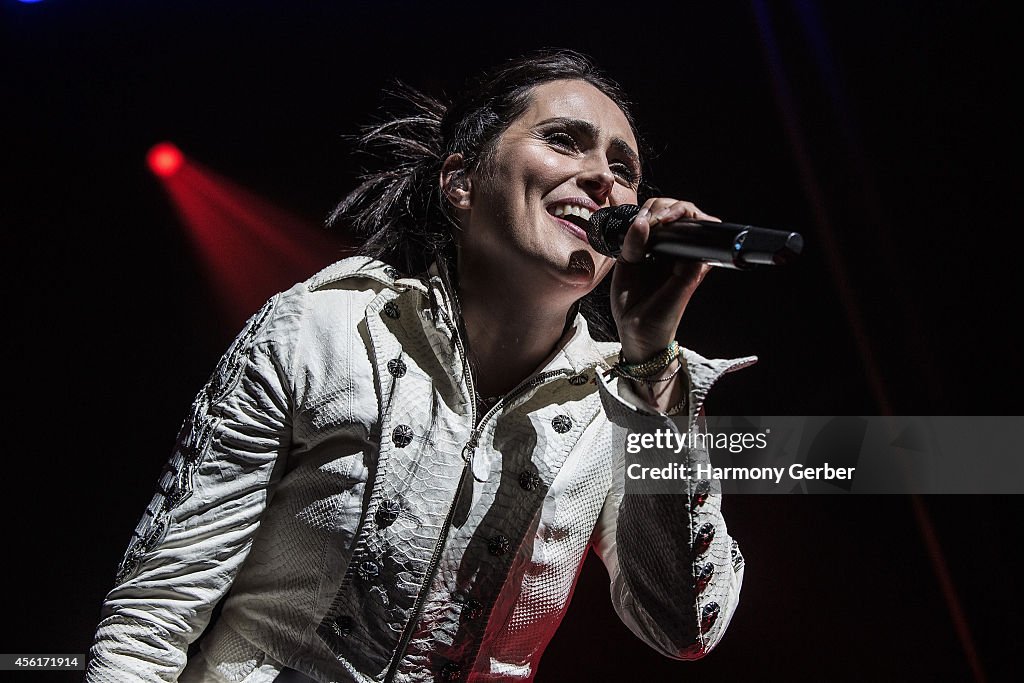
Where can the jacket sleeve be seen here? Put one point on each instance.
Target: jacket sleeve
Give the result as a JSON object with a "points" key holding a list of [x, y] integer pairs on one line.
{"points": [[198, 528], [675, 571]]}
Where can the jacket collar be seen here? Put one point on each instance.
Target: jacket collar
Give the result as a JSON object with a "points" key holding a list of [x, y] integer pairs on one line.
{"points": [[579, 353]]}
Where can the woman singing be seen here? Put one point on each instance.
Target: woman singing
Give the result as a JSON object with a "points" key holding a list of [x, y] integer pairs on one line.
{"points": [[397, 468]]}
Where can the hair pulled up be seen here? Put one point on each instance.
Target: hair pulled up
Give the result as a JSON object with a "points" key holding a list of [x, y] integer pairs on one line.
{"points": [[399, 208]]}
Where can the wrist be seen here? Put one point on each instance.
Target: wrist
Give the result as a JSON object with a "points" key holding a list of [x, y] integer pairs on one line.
{"points": [[637, 351], [651, 368], [659, 379], [669, 396]]}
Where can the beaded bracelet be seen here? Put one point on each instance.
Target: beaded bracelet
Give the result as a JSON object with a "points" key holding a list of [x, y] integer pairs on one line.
{"points": [[667, 378], [642, 372]]}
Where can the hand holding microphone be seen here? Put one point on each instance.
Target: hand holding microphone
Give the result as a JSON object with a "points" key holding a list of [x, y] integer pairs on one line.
{"points": [[649, 299], [729, 245]]}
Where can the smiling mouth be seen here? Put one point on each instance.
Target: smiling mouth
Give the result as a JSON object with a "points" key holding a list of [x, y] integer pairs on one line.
{"points": [[575, 219], [580, 215]]}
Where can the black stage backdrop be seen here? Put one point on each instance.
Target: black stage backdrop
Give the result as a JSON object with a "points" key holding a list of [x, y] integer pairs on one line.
{"points": [[879, 130]]}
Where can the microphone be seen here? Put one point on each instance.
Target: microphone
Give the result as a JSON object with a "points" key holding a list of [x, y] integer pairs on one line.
{"points": [[730, 245]]}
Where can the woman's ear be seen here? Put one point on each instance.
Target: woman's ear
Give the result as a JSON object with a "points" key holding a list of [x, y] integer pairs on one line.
{"points": [[455, 182]]}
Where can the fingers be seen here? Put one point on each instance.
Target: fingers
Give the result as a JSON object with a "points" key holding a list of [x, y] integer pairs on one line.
{"points": [[677, 290], [635, 241], [665, 210], [691, 270], [655, 211]]}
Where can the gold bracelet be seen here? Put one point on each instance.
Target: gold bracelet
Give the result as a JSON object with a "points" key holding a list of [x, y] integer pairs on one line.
{"points": [[666, 378], [648, 368]]}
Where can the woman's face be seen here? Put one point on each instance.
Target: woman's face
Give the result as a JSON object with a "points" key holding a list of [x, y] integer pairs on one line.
{"points": [[570, 153]]}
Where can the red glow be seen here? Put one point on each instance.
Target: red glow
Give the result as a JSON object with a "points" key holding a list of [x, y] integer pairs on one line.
{"points": [[164, 159], [249, 247]]}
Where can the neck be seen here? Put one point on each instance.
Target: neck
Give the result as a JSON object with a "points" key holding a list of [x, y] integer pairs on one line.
{"points": [[512, 331]]}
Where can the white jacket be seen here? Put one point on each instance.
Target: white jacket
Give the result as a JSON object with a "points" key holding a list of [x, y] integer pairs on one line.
{"points": [[330, 476]]}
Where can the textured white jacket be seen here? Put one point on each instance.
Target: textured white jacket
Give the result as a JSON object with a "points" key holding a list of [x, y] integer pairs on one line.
{"points": [[330, 477]]}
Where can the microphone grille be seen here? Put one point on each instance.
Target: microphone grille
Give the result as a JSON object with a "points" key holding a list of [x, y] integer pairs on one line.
{"points": [[607, 227]]}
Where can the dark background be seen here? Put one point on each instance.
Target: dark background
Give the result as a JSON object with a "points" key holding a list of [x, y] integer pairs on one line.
{"points": [[882, 131]]}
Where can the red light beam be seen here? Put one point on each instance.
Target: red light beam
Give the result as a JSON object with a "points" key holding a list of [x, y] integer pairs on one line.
{"points": [[250, 249]]}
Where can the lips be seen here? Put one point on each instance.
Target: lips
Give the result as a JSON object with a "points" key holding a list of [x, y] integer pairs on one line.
{"points": [[575, 230], [572, 217]]}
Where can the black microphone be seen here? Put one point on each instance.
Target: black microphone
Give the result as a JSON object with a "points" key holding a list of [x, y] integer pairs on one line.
{"points": [[742, 247]]}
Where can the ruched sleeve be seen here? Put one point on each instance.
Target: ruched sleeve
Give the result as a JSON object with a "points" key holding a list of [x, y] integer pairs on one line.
{"points": [[197, 531]]}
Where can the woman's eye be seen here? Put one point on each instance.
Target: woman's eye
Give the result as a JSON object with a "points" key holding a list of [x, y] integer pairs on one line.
{"points": [[626, 172], [562, 140]]}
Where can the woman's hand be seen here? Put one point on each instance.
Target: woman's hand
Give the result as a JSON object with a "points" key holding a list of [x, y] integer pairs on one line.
{"points": [[648, 297]]}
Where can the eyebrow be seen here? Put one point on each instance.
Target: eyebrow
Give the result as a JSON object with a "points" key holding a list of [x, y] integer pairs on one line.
{"points": [[590, 129]]}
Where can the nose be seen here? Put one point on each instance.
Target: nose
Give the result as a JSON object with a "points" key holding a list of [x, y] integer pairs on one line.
{"points": [[597, 180]]}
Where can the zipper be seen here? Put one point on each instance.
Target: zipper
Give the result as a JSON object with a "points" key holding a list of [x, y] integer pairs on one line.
{"points": [[467, 455], [526, 385], [417, 607], [435, 557]]}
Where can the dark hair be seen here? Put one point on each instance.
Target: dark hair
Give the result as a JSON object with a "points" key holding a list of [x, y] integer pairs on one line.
{"points": [[400, 209]]}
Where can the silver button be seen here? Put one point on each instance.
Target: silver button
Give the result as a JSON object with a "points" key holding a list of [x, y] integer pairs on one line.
{"points": [[529, 480], [387, 512], [402, 436], [561, 423], [708, 615], [498, 545], [396, 366], [368, 570], [705, 535]]}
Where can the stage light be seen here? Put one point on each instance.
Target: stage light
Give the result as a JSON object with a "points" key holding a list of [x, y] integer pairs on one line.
{"points": [[164, 159], [248, 247]]}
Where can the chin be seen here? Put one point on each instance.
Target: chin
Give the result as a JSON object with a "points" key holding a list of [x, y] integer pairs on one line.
{"points": [[578, 269], [581, 262]]}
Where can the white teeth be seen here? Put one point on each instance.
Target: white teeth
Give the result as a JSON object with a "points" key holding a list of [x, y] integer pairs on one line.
{"points": [[571, 210]]}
